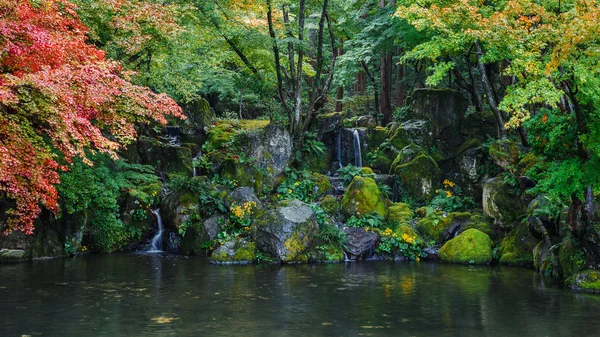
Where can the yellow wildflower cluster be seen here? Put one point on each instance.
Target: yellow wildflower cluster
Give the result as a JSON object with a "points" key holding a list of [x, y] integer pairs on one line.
{"points": [[448, 183], [83, 248], [407, 238], [241, 211], [387, 232]]}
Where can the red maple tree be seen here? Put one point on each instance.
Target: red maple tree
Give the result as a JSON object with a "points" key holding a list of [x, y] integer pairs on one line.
{"points": [[59, 97]]}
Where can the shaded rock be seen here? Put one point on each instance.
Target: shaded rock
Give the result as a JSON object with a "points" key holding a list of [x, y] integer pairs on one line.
{"points": [[238, 251], [501, 203], [418, 174], [331, 253], [442, 227], [329, 122], [12, 255], [505, 153], [587, 281], [322, 184], [242, 195], [360, 244], [330, 205], [199, 115], [517, 247], [197, 235], [273, 151], [177, 208], [541, 258], [363, 197], [418, 131], [472, 246], [287, 231], [368, 122]]}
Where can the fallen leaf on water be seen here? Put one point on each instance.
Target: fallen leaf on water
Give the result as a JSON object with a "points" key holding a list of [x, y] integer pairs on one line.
{"points": [[163, 319], [326, 323]]}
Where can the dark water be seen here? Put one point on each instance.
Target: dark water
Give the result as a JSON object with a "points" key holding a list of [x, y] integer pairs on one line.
{"points": [[149, 295]]}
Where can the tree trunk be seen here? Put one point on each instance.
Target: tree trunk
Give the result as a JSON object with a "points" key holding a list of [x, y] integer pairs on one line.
{"points": [[487, 88], [340, 90], [385, 100]]}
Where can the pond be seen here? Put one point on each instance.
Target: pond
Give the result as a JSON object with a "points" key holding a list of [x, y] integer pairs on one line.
{"points": [[156, 295]]}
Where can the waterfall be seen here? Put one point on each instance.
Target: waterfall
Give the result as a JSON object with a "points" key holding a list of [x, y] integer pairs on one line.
{"points": [[339, 149], [157, 239], [395, 194], [357, 154], [198, 156]]}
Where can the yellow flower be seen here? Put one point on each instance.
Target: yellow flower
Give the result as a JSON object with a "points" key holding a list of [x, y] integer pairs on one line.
{"points": [[289, 191], [296, 183], [387, 232], [448, 183], [395, 235], [448, 194]]}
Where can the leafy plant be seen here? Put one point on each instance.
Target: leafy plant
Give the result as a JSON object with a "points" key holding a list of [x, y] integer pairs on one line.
{"points": [[449, 198], [297, 185], [393, 243], [373, 220], [348, 173]]}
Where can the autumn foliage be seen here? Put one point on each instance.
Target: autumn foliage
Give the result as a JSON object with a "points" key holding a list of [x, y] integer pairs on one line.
{"points": [[59, 97]]}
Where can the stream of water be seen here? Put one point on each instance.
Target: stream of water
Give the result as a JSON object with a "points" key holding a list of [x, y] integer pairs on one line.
{"points": [[161, 295]]}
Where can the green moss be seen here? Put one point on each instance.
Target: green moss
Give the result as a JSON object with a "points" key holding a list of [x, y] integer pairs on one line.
{"points": [[435, 226], [244, 252], [399, 213], [571, 259], [401, 230], [220, 134], [399, 139], [381, 163], [505, 152], [418, 177], [243, 174], [187, 199], [322, 183], [363, 197], [295, 245], [318, 163], [517, 247], [253, 124], [331, 253], [376, 137], [367, 170], [472, 246], [588, 281], [330, 205]]}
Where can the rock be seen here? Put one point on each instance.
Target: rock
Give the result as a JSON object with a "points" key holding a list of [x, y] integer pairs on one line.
{"points": [[177, 207], [274, 151], [329, 122], [197, 235], [322, 184], [472, 246], [330, 205], [360, 244], [376, 137], [442, 227], [363, 197], [399, 213], [445, 109], [517, 247], [587, 281], [287, 231], [501, 203], [368, 122], [418, 131], [163, 156], [331, 253], [12, 255], [242, 195], [347, 144], [399, 139], [238, 251], [199, 116], [541, 258], [418, 174], [505, 153], [571, 259]]}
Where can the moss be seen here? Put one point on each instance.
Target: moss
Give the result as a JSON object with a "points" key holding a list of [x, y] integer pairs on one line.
{"points": [[381, 163], [322, 183], [187, 199], [318, 163], [220, 134], [588, 281], [517, 247], [472, 246], [418, 173], [435, 226], [505, 152], [330, 205], [376, 137], [399, 139], [571, 259], [244, 252], [363, 197], [244, 174], [401, 230], [399, 213], [501, 203], [350, 122], [253, 124], [469, 144], [367, 170], [329, 253], [295, 245]]}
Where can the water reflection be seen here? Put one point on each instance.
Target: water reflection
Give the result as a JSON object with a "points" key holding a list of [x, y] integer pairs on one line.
{"points": [[156, 295]]}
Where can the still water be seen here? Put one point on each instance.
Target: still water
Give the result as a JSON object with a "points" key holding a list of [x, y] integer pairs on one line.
{"points": [[154, 295]]}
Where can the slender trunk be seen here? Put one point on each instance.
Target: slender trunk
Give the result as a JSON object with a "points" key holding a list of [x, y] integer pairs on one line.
{"points": [[487, 88], [282, 95], [298, 94], [241, 102], [386, 82], [400, 87], [340, 90], [372, 78]]}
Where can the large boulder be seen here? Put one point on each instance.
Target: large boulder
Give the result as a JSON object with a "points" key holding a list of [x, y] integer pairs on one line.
{"points": [[164, 156], [238, 251], [272, 149], [501, 203], [517, 247], [12, 255], [363, 197], [441, 227], [360, 243], [472, 247], [505, 153], [199, 116], [287, 231], [198, 234], [418, 174], [242, 195], [418, 131], [178, 207], [329, 122], [586, 281]]}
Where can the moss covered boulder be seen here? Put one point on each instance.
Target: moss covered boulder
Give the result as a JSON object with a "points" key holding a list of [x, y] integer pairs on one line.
{"points": [[238, 251], [327, 122], [571, 259], [399, 213], [418, 131], [399, 139], [376, 137], [472, 246], [329, 253], [587, 281], [12, 255], [360, 242], [517, 247], [330, 205], [505, 153], [199, 234], [322, 184], [441, 227], [418, 174], [501, 203], [288, 231], [363, 197]]}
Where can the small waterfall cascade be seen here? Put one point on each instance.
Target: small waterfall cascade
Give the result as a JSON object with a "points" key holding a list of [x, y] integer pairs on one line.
{"points": [[196, 158], [357, 154], [339, 149], [395, 193], [173, 133], [157, 239]]}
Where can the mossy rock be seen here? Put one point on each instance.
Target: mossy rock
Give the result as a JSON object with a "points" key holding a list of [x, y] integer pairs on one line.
{"points": [[376, 137], [12, 255], [517, 247], [327, 122], [243, 174], [322, 184], [441, 227], [418, 177], [399, 139], [405, 229], [505, 153], [541, 258], [367, 171], [220, 134], [472, 247], [363, 197], [330, 253], [318, 163], [253, 124], [234, 252], [587, 281], [330, 205], [399, 213], [381, 163], [501, 203]]}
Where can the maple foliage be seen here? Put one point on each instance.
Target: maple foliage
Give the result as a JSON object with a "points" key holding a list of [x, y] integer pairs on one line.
{"points": [[59, 97]]}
